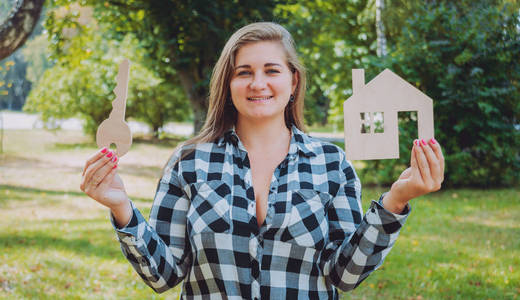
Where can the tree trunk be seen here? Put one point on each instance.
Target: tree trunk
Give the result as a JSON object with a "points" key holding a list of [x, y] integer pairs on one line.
{"points": [[198, 98], [19, 26], [380, 28]]}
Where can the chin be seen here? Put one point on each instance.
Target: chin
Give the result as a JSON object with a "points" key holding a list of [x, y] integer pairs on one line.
{"points": [[261, 115]]}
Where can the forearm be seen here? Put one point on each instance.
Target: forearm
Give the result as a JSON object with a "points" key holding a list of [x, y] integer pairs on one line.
{"points": [[146, 251], [364, 250]]}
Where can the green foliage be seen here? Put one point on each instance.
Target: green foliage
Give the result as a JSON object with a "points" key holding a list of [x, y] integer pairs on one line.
{"points": [[333, 37], [463, 54], [182, 39], [82, 81], [466, 56], [36, 54]]}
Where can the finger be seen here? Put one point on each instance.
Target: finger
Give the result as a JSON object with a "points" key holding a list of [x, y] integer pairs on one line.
{"points": [[413, 160], [102, 172], [438, 152], [94, 158], [423, 166], [105, 183], [92, 169], [433, 162]]}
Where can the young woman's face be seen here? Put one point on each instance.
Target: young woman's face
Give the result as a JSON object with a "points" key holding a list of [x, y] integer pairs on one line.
{"points": [[262, 81]]}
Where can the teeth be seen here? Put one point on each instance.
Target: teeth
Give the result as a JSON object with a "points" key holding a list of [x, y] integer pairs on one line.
{"points": [[259, 98]]}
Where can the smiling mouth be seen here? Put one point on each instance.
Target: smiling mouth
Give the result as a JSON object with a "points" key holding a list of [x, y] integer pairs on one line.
{"points": [[264, 98]]}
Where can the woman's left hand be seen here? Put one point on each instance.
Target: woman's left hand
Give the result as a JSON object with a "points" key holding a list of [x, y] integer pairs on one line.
{"points": [[425, 175]]}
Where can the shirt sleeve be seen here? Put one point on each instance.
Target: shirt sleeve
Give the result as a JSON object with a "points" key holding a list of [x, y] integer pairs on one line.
{"points": [[357, 245], [159, 250]]}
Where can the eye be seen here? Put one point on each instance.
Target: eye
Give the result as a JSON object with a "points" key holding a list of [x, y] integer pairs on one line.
{"points": [[272, 71], [242, 73]]}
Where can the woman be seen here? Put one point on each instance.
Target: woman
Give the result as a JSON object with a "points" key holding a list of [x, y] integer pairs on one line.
{"points": [[252, 207]]}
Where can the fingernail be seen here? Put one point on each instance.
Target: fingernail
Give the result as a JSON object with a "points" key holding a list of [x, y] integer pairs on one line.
{"points": [[109, 155], [104, 150], [416, 142], [433, 141], [115, 166], [423, 142], [114, 159]]}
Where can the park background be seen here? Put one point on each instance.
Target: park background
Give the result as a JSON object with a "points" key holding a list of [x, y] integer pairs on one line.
{"points": [[460, 243]]}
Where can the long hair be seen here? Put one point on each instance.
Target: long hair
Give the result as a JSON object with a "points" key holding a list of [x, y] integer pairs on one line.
{"points": [[222, 115]]}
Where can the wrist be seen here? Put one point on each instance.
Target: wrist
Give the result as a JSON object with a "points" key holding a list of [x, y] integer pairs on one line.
{"points": [[392, 204], [122, 213]]}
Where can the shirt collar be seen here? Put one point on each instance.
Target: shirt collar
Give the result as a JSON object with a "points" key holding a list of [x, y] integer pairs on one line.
{"points": [[299, 141]]}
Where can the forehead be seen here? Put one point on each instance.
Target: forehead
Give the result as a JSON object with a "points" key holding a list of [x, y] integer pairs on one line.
{"points": [[260, 53]]}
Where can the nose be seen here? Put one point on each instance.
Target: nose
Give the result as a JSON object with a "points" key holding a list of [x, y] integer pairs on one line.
{"points": [[258, 82]]}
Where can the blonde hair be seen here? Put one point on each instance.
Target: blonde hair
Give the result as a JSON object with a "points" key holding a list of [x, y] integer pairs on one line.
{"points": [[222, 114]]}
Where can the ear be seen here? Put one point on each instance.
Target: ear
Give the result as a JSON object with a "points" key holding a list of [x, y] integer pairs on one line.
{"points": [[295, 79]]}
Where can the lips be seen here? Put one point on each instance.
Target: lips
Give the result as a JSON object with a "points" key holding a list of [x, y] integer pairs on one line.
{"points": [[259, 98]]}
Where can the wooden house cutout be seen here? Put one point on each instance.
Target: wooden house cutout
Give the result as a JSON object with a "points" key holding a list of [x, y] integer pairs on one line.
{"points": [[371, 123]]}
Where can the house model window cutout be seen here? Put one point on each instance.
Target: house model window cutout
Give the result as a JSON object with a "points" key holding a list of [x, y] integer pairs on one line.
{"points": [[371, 123]]}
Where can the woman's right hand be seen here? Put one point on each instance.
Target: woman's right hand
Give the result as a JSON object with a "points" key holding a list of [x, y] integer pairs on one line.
{"points": [[101, 182]]}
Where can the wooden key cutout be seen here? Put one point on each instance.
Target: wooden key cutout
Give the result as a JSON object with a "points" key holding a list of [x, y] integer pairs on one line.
{"points": [[115, 129]]}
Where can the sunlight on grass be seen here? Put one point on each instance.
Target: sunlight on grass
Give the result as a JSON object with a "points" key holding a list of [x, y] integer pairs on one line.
{"points": [[56, 243]]}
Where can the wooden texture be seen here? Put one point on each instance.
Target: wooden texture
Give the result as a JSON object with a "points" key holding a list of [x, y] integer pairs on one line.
{"points": [[385, 96], [115, 129]]}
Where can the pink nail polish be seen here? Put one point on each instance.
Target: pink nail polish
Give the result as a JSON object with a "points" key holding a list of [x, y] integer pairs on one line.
{"points": [[104, 150], [115, 166], [433, 141], [109, 155], [423, 142], [416, 142], [114, 159]]}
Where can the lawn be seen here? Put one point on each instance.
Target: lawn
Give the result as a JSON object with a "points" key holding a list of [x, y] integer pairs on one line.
{"points": [[57, 243]]}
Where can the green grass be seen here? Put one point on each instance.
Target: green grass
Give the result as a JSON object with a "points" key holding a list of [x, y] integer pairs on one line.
{"points": [[56, 243]]}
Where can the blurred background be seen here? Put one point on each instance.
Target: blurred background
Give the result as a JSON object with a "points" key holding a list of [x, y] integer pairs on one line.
{"points": [[56, 88]]}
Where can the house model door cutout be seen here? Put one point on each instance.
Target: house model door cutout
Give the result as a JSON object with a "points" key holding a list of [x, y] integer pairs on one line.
{"points": [[370, 114]]}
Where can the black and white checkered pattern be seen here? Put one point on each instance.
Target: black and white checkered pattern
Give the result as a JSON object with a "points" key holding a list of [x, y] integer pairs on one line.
{"points": [[203, 228]]}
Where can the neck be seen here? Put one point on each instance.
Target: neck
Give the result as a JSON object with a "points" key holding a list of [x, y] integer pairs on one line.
{"points": [[258, 135]]}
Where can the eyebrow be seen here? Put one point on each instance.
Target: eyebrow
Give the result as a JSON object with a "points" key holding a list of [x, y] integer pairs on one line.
{"points": [[265, 65]]}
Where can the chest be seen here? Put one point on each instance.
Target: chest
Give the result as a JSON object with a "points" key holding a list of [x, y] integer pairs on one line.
{"points": [[263, 167], [229, 196]]}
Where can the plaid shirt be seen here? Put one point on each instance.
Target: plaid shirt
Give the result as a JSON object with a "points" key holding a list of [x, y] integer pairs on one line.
{"points": [[203, 228]]}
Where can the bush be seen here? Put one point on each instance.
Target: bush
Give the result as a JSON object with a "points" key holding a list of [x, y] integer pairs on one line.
{"points": [[465, 56]]}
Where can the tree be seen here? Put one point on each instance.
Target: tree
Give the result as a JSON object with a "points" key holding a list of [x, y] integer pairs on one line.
{"points": [[333, 37], [81, 84], [466, 56], [19, 25], [182, 38]]}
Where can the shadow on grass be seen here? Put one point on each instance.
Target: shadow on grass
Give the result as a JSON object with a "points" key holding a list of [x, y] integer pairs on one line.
{"points": [[165, 142], [73, 146], [33, 191], [43, 241], [141, 171]]}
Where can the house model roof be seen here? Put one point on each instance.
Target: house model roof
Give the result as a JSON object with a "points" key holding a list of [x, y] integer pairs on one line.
{"points": [[380, 100]]}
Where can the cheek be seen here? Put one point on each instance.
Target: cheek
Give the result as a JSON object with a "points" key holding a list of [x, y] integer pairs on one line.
{"points": [[236, 87]]}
